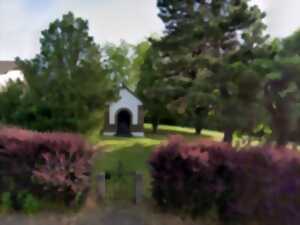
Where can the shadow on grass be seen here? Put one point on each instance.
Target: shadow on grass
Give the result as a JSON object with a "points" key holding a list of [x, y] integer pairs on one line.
{"points": [[164, 134], [189, 133]]}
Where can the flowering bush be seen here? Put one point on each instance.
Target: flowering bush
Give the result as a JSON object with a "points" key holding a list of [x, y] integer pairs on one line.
{"points": [[259, 185], [56, 165]]}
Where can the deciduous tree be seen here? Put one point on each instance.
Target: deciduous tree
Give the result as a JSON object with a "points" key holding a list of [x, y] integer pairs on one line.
{"points": [[66, 82]]}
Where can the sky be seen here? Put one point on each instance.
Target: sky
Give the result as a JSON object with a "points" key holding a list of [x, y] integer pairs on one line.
{"points": [[21, 21]]}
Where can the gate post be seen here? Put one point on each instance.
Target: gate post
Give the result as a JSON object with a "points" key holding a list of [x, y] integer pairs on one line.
{"points": [[101, 186], [139, 187]]}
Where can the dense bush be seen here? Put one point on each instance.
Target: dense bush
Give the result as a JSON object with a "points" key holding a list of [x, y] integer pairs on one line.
{"points": [[259, 185], [23, 200], [5, 202], [29, 204], [52, 165], [266, 186]]}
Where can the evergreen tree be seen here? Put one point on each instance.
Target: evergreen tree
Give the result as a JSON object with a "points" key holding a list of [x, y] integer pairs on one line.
{"points": [[208, 52], [282, 90]]}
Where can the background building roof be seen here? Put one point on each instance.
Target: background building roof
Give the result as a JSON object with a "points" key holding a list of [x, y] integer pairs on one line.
{"points": [[6, 66]]}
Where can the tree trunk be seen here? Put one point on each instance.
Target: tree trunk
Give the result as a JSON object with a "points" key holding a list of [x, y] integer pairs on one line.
{"points": [[228, 135], [281, 128], [282, 138], [198, 130], [155, 123]]}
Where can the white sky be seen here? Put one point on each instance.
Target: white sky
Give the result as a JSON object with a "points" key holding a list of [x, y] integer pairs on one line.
{"points": [[283, 16], [21, 21]]}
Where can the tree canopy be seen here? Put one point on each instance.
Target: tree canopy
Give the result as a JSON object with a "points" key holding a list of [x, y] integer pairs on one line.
{"points": [[207, 55], [123, 62], [65, 82]]}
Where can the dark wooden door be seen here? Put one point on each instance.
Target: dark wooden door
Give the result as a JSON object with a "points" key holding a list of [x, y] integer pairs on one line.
{"points": [[124, 121]]}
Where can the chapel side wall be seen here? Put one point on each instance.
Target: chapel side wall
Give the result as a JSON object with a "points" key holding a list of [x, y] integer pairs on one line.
{"points": [[107, 126], [140, 126]]}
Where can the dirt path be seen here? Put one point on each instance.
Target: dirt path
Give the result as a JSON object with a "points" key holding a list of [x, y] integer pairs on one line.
{"points": [[117, 213], [101, 216], [95, 217]]}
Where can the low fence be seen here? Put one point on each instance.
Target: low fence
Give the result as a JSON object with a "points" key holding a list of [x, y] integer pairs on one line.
{"points": [[138, 185]]}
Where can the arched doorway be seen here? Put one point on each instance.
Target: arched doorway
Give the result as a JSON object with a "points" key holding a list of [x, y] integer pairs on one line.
{"points": [[123, 123]]}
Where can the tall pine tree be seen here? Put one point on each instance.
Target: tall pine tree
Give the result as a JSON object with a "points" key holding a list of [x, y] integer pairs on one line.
{"points": [[208, 52]]}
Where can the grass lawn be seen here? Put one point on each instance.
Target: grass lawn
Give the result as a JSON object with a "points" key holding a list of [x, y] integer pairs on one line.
{"points": [[132, 154]]}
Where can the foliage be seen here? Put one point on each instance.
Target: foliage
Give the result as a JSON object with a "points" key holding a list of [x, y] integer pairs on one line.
{"points": [[140, 54], [117, 61], [271, 174], [148, 89], [28, 203], [31, 205], [123, 61], [52, 165], [282, 98], [255, 185], [10, 99], [23, 200], [290, 45], [6, 202], [207, 58], [281, 89], [65, 82], [184, 177]]}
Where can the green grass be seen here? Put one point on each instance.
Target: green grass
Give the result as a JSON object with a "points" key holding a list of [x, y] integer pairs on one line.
{"points": [[132, 154]]}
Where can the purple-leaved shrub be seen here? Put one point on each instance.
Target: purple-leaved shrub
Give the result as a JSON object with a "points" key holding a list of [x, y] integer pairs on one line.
{"points": [[51, 165], [254, 185]]}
